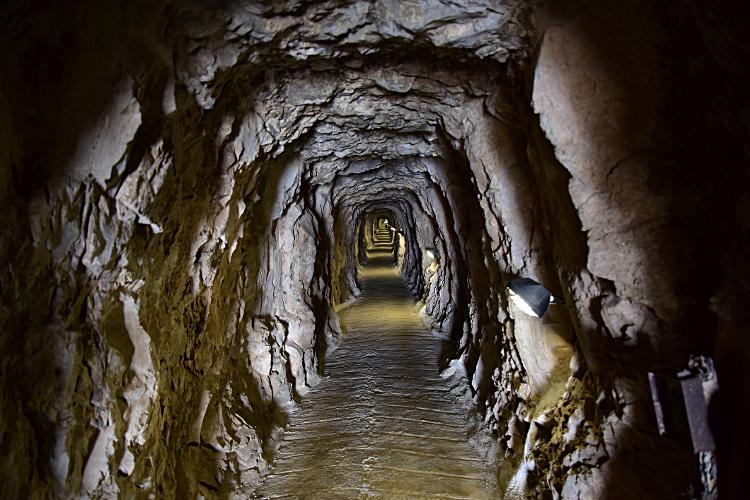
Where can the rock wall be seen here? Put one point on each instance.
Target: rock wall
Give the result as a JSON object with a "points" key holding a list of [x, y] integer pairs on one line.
{"points": [[189, 193]]}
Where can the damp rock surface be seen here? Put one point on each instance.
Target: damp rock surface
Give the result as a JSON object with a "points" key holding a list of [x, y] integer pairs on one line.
{"points": [[384, 423]]}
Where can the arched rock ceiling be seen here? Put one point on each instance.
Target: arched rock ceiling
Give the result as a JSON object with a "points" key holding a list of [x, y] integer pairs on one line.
{"points": [[220, 46]]}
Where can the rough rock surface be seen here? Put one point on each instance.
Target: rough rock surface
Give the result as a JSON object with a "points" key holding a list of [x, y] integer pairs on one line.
{"points": [[189, 189]]}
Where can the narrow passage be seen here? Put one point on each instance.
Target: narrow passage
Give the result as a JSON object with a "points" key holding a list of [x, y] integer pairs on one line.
{"points": [[384, 424]]}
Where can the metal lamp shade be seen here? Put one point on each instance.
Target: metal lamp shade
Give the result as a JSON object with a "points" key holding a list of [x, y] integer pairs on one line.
{"points": [[535, 297]]}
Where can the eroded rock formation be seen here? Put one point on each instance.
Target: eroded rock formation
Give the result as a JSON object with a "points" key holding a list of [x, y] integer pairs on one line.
{"points": [[188, 188]]}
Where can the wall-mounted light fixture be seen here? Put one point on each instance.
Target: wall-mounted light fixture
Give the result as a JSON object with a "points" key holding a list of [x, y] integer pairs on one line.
{"points": [[529, 296], [681, 403]]}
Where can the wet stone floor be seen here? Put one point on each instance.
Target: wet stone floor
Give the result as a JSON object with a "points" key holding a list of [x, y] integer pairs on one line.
{"points": [[383, 424]]}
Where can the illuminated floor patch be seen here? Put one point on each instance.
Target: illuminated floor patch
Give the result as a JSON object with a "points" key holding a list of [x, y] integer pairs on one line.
{"points": [[383, 424]]}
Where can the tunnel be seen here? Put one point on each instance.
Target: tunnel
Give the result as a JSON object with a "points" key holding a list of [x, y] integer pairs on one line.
{"points": [[374, 249]]}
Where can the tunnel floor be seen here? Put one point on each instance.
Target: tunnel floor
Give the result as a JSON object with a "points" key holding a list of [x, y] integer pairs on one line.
{"points": [[383, 424]]}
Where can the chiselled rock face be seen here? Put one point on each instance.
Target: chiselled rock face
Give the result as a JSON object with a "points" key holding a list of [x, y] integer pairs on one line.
{"points": [[189, 189]]}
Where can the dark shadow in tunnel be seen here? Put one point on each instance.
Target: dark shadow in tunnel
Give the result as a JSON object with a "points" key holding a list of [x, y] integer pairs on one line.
{"points": [[59, 72], [698, 210]]}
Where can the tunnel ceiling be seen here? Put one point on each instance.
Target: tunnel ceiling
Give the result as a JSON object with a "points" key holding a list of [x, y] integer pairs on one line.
{"points": [[391, 92]]}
